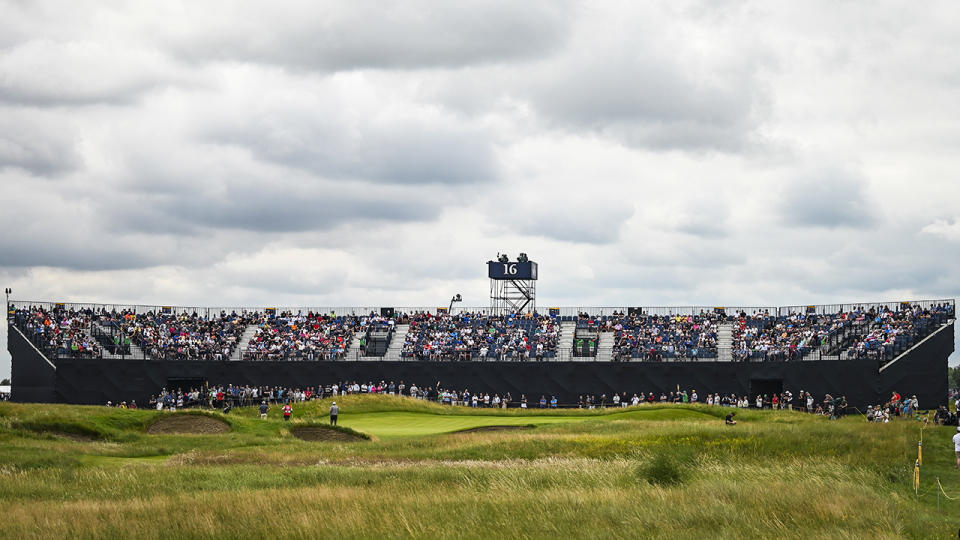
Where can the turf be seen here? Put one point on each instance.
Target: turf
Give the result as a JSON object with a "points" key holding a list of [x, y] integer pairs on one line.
{"points": [[650, 471]]}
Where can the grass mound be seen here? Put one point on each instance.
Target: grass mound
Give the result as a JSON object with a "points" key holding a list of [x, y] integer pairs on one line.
{"points": [[191, 424], [327, 433], [495, 428]]}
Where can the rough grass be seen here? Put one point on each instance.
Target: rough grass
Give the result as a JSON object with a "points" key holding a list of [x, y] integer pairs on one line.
{"points": [[657, 471]]}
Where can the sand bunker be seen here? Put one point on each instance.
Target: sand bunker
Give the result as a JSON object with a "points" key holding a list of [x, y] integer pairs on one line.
{"points": [[189, 423], [494, 428], [80, 437], [323, 434], [66, 430]]}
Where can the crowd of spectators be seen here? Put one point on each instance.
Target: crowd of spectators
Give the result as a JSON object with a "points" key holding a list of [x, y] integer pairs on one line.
{"points": [[763, 336], [184, 336], [875, 332], [878, 333], [229, 396], [655, 338], [891, 332], [290, 336], [469, 336], [59, 331]]}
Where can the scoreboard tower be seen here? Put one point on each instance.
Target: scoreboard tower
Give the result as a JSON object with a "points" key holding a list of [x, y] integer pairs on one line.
{"points": [[513, 285]]}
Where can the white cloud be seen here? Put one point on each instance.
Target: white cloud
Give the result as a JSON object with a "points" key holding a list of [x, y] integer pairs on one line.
{"points": [[949, 230]]}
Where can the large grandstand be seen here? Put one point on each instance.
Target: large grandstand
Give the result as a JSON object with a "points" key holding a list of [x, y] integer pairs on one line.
{"points": [[89, 352]]}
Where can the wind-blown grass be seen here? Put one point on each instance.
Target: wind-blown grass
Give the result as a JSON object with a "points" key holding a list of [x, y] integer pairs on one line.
{"points": [[653, 471]]}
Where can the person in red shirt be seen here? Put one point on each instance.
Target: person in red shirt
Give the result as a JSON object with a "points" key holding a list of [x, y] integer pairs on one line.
{"points": [[287, 411]]}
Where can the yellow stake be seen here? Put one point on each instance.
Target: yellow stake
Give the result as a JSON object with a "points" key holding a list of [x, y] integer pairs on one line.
{"points": [[916, 478]]}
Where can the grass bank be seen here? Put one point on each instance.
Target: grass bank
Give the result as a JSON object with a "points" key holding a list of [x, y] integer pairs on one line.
{"points": [[650, 471]]}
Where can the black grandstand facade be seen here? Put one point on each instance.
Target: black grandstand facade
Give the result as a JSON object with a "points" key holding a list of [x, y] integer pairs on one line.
{"points": [[91, 353]]}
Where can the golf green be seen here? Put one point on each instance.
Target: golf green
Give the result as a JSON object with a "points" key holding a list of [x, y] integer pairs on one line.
{"points": [[408, 424]]}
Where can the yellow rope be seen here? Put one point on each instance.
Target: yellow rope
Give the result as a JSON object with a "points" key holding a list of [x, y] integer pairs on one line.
{"points": [[944, 492]]}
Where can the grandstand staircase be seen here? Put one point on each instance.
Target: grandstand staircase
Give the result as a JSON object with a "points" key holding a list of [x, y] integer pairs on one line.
{"points": [[725, 342], [135, 351], [605, 347], [245, 338], [396, 343], [565, 347], [353, 353]]}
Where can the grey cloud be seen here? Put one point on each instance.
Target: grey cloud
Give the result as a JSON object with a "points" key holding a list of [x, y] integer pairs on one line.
{"points": [[639, 81], [42, 229], [830, 197], [328, 36], [156, 198], [284, 210], [405, 152], [18, 252], [642, 99], [571, 219], [35, 142]]}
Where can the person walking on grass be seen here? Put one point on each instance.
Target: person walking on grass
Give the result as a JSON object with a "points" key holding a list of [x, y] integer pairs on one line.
{"points": [[334, 412], [287, 411], [263, 410]]}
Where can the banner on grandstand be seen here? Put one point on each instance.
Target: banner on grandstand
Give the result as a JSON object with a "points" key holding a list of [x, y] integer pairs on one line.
{"points": [[720, 310], [60, 305], [634, 311], [554, 312], [906, 305], [270, 311], [811, 309], [166, 310], [442, 310]]}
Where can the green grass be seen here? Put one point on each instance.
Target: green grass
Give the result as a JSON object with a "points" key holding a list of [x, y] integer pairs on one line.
{"points": [[650, 471]]}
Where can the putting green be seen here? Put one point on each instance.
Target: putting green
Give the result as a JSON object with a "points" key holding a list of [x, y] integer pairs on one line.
{"points": [[409, 424]]}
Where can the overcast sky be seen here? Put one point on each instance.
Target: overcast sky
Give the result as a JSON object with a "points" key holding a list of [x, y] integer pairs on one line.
{"points": [[377, 153]]}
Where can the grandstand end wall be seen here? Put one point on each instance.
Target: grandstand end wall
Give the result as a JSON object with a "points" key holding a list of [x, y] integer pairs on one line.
{"points": [[923, 371], [32, 377]]}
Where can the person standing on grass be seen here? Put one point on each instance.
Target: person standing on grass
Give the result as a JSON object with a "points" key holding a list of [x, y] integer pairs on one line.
{"points": [[287, 411], [263, 410], [334, 412], [956, 446]]}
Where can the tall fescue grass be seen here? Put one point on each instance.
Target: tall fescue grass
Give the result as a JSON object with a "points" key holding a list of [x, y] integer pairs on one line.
{"points": [[668, 472]]}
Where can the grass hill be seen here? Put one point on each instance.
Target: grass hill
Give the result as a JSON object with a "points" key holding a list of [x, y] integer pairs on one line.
{"points": [[402, 468]]}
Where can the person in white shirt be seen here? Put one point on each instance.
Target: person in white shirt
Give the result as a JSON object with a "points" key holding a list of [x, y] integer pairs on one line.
{"points": [[956, 446]]}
